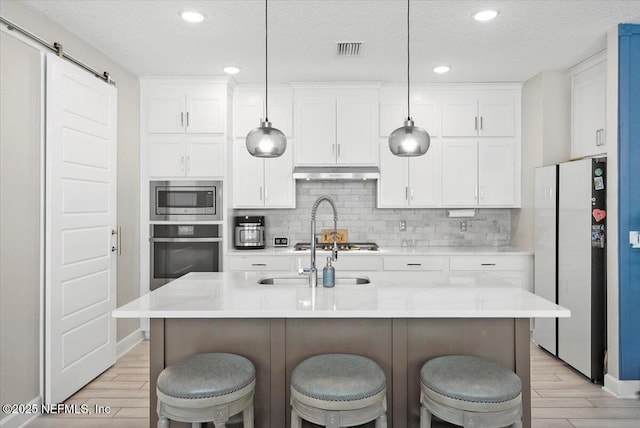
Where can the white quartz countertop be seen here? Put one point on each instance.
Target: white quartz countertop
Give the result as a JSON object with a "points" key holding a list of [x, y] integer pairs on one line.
{"points": [[396, 251], [434, 295]]}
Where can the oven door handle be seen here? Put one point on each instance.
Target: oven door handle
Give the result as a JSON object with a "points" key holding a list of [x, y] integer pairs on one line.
{"points": [[185, 239]]}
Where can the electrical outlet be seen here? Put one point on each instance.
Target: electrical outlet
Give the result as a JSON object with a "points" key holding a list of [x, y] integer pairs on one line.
{"points": [[463, 226], [403, 225]]}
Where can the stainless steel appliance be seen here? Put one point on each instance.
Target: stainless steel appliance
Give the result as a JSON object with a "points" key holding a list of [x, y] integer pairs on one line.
{"points": [[177, 249], [249, 232], [571, 261], [185, 200]]}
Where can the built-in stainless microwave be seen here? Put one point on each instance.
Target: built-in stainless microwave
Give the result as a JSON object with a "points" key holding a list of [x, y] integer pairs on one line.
{"points": [[185, 200]]}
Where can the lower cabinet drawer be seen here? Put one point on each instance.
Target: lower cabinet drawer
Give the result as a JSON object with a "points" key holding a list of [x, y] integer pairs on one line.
{"points": [[416, 263], [260, 263], [488, 263], [344, 263]]}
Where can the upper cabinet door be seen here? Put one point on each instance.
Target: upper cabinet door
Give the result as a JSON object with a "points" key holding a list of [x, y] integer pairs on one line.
{"points": [[248, 177], [496, 111], [356, 131], [249, 110], [393, 186], [496, 173], [279, 185], [460, 115], [588, 99], [205, 156], [459, 173], [204, 113], [315, 130], [166, 112], [425, 178], [166, 156]]}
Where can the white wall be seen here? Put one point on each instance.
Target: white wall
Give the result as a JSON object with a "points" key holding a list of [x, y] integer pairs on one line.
{"points": [[20, 163]]}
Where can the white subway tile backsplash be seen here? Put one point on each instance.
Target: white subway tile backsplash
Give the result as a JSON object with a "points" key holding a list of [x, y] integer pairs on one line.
{"points": [[356, 201]]}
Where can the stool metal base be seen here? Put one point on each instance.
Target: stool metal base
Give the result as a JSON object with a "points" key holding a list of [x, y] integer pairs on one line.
{"points": [[214, 409], [338, 414]]}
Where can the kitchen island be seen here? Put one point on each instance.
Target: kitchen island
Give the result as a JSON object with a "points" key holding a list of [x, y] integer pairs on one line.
{"points": [[398, 323]]}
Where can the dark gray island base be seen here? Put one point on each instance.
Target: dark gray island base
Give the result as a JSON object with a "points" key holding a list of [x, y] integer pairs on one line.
{"points": [[399, 345]]}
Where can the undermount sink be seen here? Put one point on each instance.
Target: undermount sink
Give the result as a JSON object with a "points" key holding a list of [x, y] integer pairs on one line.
{"points": [[303, 280]]}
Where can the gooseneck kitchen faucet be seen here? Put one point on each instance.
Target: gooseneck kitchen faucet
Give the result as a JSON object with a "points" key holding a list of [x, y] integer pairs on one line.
{"points": [[313, 272]]}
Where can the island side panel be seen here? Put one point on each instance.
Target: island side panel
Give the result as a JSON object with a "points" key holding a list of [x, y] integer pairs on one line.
{"points": [[523, 366], [371, 338], [156, 365], [494, 339], [248, 337]]}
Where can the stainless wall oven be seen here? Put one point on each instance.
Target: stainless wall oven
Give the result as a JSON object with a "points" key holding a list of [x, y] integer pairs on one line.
{"points": [[177, 249], [185, 200]]}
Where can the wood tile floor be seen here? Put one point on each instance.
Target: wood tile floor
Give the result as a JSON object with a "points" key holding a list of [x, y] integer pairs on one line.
{"points": [[561, 398]]}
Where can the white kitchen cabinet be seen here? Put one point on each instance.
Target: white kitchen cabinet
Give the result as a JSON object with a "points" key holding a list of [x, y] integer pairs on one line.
{"points": [[514, 269], [351, 262], [588, 101], [416, 263], [257, 262], [176, 108], [410, 182], [185, 156], [336, 127], [479, 173], [249, 109], [425, 109], [484, 113], [262, 183]]}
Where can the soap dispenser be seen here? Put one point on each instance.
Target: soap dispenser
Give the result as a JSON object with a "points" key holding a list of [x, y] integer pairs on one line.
{"points": [[329, 275]]}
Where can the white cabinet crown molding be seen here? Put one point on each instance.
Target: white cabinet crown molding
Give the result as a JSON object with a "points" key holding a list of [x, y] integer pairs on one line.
{"points": [[587, 63]]}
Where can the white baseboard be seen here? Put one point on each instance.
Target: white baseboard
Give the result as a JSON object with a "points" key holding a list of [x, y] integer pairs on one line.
{"points": [[621, 388], [18, 420], [129, 342]]}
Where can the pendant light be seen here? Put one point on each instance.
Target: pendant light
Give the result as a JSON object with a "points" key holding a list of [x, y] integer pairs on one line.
{"points": [[409, 140], [266, 141]]}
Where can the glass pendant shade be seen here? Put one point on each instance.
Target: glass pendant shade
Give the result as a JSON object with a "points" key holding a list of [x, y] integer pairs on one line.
{"points": [[266, 141], [409, 140]]}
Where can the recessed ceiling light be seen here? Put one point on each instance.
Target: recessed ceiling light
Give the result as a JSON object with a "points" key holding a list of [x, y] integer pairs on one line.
{"points": [[441, 69], [192, 16], [485, 15], [231, 70]]}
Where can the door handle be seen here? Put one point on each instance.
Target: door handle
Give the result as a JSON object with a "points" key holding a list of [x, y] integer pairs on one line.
{"points": [[116, 248]]}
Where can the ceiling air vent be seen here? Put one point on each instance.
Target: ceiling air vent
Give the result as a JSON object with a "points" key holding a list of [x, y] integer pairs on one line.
{"points": [[349, 48]]}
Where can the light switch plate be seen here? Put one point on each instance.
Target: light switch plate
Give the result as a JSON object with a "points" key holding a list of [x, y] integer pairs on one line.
{"points": [[634, 238]]}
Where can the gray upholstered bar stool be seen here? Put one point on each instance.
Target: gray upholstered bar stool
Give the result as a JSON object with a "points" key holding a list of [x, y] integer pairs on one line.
{"points": [[471, 392], [207, 388], [338, 390]]}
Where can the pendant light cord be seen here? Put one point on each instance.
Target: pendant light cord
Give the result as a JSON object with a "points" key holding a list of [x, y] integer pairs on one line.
{"points": [[266, 64], [408, 63]]}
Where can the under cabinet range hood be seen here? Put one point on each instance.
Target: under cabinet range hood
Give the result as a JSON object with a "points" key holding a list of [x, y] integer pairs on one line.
{"points": [[336, 173]]}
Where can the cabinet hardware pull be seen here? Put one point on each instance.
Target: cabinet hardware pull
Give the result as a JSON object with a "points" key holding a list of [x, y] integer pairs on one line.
{"points": [[188, 163], [260, 192], [406, 193], [481, 125], [187, 118], [414, 264], [181, 163], [487, 264], [338, 150], [181, 118], [482, 193], [411, 193], [475, 192], [476, 123], [258, 264], [333, 149]]}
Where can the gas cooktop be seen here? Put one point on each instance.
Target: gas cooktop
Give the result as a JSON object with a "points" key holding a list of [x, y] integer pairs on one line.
{"points": [[348, 246]]}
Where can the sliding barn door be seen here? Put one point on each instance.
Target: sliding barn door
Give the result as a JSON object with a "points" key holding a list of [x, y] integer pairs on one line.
{"points": [[80, 273]]}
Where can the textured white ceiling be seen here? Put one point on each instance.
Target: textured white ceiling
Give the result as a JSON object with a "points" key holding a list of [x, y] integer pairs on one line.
{"points": [[149, 38]]}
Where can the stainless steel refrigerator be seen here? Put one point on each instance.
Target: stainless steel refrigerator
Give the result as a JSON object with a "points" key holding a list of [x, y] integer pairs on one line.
{"points": [[579, 267]]}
